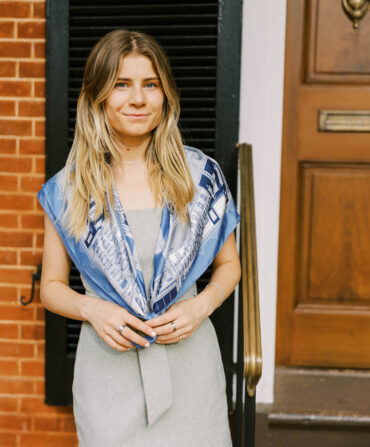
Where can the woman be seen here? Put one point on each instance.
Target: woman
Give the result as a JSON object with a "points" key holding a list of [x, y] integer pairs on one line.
{"points": [[142, 217]]}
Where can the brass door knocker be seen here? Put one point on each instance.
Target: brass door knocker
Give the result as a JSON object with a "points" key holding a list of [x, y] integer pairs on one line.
{"points": [[355, 10]]}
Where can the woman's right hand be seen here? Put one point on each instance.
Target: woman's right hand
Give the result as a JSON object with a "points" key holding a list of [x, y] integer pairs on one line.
{"points": [[106, 318]]}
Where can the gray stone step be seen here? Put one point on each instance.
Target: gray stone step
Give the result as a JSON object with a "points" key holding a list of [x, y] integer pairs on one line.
{"points": [[316, 407], [275, 429]]}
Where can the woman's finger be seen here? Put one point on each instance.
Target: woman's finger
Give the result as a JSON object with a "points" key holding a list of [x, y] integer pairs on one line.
{"points": [[132, 336], [139, 325], [168, 328], [168, 316], [113, 344], [174, 339], [120, 339]]}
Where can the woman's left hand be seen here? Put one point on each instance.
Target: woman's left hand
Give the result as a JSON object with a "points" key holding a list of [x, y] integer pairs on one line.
{"points": [[180, 320]]}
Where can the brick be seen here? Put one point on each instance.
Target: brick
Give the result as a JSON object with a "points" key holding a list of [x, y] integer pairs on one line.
{"points": [[7, 68], [15, 49], [39, 10], [8, 439], [15, 88], [16, 275], [39, 240], [28, 146], [40, 350], [15, 9], [15, 127], [7, 29], [7, 108], [32, 69], [26, 292], [31, 108], [7, 145], [15, 164], [8, 368], [63, 410], [36, 295], [16, 422], [15, 202], [13, 349], [16, 312], [16, 386], [56, 440], [32, 183], [35, 331], [40, 316], [39, 49], [8, 182], [40, 128], [8, 403], [39, 208], [69, 425], [8, 221], [40, 165], [9, 330], [48, 423], [33, 368], [8, 257], [8, 293], [32, 221], [15, 239], [39, 89], [31, 30], [40, 388], [34, 405]]}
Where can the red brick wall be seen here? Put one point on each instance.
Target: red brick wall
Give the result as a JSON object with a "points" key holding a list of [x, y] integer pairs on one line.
{"points": [[24, 419]]}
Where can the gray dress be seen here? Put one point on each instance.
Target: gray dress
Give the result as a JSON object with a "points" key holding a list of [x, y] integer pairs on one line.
{"points": [[165, 395]]}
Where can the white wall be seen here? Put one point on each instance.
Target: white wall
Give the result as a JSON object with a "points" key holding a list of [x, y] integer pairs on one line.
{"points": [[261, 101]]}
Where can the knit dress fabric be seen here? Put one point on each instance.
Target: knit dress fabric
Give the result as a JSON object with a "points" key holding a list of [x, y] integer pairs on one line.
{"points": [[116, 393]]}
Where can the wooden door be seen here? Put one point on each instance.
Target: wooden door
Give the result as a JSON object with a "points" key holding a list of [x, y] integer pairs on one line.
{"points": [[323, 315]]}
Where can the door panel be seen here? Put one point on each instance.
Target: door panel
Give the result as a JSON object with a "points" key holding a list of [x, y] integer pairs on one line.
{"points": [[323, 316]]}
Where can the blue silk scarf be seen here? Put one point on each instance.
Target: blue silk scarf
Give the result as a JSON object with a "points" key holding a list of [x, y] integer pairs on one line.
{"points": [[106, 256]]}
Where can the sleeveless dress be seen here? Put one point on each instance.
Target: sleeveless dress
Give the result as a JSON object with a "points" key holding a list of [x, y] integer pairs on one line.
{"points": [[117, 396]]}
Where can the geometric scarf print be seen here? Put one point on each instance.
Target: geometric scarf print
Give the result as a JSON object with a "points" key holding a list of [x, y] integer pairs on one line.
{"points": [[106, 255]]}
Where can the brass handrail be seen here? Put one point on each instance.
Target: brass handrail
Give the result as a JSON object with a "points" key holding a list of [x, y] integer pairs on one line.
{"points": [[249, 281]]}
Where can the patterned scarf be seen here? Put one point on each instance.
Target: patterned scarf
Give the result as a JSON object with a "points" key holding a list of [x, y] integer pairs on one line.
{"points": [[106, 256]]}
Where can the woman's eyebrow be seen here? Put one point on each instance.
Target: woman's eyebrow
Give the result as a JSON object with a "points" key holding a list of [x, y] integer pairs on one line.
{"points": [[146, 79]]}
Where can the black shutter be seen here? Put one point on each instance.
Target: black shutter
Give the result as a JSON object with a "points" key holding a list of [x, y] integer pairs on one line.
{"points": [[202, 41]]}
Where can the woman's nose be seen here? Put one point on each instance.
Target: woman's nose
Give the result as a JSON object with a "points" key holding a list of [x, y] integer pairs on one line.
{"points": [[137, 96]]}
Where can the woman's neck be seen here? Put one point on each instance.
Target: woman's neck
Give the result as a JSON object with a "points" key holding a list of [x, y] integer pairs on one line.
{"points": [[133, 150]]}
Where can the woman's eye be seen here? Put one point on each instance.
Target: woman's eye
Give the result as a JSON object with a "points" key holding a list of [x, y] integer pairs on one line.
{"points": [[121, 84], [151, 85]]}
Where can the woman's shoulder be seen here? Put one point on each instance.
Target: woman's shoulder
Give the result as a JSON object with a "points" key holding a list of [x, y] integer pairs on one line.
{"points": [[52, 191], [197, 158], [56, 182]]}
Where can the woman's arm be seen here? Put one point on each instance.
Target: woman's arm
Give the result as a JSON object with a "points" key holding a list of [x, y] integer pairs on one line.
{"points": [[58, 297], [226, 274], [189, 314]]}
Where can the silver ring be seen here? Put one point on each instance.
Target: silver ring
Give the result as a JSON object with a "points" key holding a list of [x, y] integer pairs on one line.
{"points": [[120, 329], [174, 326]]}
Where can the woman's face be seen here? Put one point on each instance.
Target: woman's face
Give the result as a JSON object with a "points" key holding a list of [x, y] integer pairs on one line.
{"points": [[134, 107]]}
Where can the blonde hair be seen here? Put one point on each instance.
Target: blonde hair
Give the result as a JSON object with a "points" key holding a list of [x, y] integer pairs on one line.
{"points": [[88, 172]]}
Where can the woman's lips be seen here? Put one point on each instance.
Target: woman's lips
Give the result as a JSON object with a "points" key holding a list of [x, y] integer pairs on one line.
{"points": [[136, 116]]}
